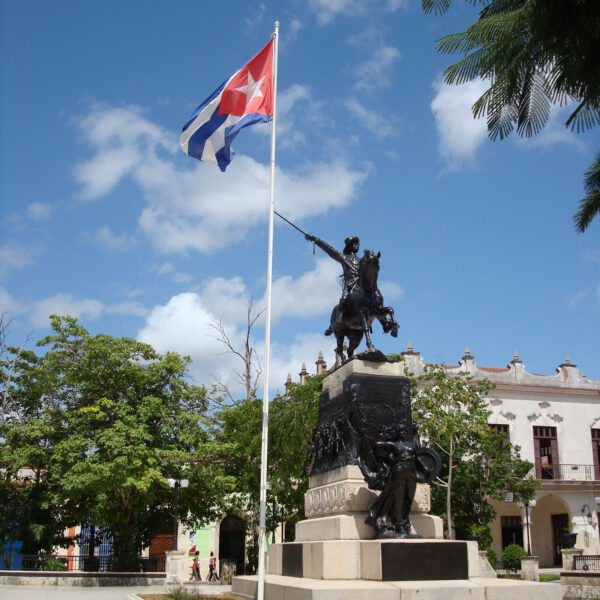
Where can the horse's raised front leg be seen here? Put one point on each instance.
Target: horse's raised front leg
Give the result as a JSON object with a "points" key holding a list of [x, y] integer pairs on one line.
{"points": [[385, 315]]}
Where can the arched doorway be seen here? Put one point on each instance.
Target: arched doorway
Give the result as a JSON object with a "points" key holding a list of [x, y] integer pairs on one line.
{"points": [[232, 541], [550, 520]]}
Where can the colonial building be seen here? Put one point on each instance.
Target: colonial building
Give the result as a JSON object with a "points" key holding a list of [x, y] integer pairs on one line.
{"points": [[555, 419]]}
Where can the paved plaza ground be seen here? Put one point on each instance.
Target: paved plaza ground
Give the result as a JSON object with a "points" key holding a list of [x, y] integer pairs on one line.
{"points": [[33, 592]]}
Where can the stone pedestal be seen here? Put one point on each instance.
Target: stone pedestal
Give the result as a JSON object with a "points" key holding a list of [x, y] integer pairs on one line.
{"points": [[484, 565], [335, 554], [338, 501], [568, 554], [178, 567], [530, 568], [375, 560]]}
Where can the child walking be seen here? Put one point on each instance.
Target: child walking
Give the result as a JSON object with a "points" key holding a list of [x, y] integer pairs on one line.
{"points": [[212, 568]]}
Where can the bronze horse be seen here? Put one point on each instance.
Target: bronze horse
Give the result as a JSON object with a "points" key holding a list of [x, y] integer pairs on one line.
{"points": [[352, 317]]}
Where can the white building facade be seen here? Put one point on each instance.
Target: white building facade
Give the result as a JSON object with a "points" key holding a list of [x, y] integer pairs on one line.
{"points": [[555, 419]]}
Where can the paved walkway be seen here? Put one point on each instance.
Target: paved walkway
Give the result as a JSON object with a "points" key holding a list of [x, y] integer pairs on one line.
{"points": [[35, 592]]}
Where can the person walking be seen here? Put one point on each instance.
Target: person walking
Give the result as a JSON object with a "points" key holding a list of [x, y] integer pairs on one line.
{"points": [[212, 568], [196, 568]]}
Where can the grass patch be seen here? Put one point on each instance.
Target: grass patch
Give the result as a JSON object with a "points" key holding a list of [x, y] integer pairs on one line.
{"points": [[546, 577]]}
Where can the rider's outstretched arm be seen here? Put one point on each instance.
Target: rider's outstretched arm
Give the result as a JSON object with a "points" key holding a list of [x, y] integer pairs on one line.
{"points": [[330, 250]]}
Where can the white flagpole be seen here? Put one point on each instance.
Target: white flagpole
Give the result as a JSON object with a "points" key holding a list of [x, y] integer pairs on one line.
{"points": [[262, 528]]}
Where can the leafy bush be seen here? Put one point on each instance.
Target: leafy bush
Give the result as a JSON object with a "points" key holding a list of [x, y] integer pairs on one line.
{"points": [[492, 558], [53, 564], [512, 555]]}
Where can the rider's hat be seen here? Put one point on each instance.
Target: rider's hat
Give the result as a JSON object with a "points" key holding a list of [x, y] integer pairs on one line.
{"points": [[350, 240]]}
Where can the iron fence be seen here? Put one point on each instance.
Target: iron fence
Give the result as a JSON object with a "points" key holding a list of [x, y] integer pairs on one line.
{"points": [[586, 562], [82, 563]]}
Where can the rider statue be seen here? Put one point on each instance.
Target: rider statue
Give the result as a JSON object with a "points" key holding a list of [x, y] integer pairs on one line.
{"points": [[350, 265]]}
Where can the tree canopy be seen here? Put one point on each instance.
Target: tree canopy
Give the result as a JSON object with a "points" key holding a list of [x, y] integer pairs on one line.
{"points": [[97, 425], [533, 53], [478, 463]]}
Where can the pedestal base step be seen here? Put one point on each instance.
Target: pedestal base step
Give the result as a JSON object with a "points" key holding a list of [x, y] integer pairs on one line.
{"points": [[377, 560], [292, 588]]}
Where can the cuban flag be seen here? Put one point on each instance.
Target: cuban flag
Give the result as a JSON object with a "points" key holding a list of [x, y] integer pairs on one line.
{"points": [[244, 99]]}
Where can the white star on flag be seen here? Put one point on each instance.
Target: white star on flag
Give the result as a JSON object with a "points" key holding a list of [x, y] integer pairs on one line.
{"points": [[252, 88]]}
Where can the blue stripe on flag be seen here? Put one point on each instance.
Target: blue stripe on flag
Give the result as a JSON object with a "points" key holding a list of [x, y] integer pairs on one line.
{"points": [[205, 103], [225, 154], [198, 140]]}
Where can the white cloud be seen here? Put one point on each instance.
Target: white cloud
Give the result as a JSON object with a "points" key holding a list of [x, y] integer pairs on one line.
{"points": [[197, 207], [112, 241], [88, 308], [380, 127], [294, 28], [592, 292], [38, 211], [180, 277], [327, 10], [460, 133], [8, 304], [65, 304], [288, 134], [391, 290], [124, 141], [16, 256], [165, 268], [321, 285], [183, 325], [256, 18], [227, 299], [304, 349], [376, 71]]}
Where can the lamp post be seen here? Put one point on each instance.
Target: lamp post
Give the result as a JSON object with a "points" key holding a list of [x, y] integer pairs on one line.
{"points": [[176, 484], [526, 506]]}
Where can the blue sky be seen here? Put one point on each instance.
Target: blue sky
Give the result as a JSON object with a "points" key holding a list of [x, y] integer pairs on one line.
{"points": [[104, 218]]}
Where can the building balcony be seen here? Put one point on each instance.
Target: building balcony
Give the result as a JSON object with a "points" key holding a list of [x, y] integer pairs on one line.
{"points": [[568, 472]]}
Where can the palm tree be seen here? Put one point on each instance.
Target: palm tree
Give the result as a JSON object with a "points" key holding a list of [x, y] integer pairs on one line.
{"points": [[589, 206], [534, 53]]}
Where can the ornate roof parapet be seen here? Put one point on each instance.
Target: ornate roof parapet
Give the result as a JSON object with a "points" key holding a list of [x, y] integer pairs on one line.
{"points": [[467, 363], [303, 374], [567, 374], [321, 364], [413, 361]]}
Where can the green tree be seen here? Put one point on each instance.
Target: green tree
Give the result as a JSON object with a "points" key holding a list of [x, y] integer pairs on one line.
{"points": [[477, 463], [533, 53], [293, 418], [237, 433], [103, 422]]}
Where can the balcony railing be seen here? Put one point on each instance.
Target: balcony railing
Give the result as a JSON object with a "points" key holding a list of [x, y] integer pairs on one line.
{"points": [[569, 472]]}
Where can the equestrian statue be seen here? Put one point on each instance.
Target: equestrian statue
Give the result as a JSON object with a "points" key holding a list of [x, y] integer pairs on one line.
{"points": [[361, 300]]}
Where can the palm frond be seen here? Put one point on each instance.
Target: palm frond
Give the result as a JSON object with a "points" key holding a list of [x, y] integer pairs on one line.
{"points": [[584, 117], [589, 206]]}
